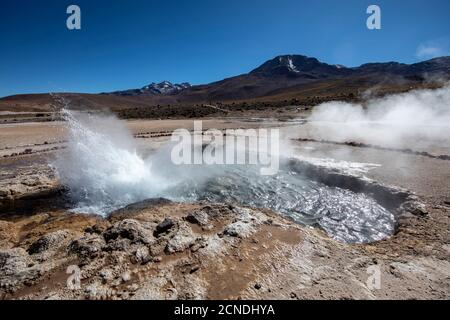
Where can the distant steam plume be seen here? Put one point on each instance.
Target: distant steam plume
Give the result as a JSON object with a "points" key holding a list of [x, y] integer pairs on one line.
{"points": [[417, 117]]}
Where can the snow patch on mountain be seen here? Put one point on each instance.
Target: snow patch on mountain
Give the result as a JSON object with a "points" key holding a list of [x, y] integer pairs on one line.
{"points": [[291, 66], [165, 87], [289, 63], [162, 88]]}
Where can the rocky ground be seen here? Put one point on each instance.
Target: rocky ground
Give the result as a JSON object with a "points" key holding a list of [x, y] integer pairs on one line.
{"points": [[163, 250]]}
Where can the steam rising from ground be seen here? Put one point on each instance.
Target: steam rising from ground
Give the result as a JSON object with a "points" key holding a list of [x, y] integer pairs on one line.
{"points": [[104, 171], [101, 165], [414, 117]]}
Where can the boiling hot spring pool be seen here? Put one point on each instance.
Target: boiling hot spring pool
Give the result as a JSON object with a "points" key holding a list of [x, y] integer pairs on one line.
{"points": [[104, 172], [343, 214]]}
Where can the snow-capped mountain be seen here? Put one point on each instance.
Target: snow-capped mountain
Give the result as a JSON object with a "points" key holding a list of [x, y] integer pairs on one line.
{"points": [[287, 75], [162, 88], [297, 66], [165, 87], [290, 64]]}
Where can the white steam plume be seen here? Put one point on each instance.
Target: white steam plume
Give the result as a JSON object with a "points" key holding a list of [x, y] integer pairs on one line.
{"points": [[413, 118], [101, 165], [104, 171]]}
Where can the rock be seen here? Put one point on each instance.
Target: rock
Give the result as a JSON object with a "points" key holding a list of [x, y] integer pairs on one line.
{"points": [[98, 228], [126, 276], [209, 227], [164, 226], [129, 229], [138, 206], [199, 243], [239, 229], [49, 241], [14, 261], [245, 223], [183, 239], [217, 211], [88, 246], [194, 268], [125, 296], [4, 193], [106, 274], [258, 286], [195, 247], [142, 255], [415, 208], [120, 244], [17, 269], [134, 287], [92, 291], [89, 230], [198, 217], [8, 234], [158, 246]]}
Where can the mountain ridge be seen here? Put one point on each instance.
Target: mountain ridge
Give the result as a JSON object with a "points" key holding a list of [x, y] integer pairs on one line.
{"points": [[282, 77], [163, 87], [291, 70]]}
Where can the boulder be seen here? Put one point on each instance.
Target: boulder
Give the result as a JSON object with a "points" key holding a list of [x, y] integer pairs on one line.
{"points": [[50, 241], [164, 226], [142, 255], [87, 246], [198, 217], [415, 207], [239, 229], [182, 240], [120, 244], [14, 261], [129, 229]]}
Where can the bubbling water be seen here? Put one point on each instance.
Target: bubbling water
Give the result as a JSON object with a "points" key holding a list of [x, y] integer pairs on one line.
{"points": [[104, 171], [344, 215]]}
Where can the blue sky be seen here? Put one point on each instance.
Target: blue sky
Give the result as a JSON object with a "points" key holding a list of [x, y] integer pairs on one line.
{"points": [[128, 44]]}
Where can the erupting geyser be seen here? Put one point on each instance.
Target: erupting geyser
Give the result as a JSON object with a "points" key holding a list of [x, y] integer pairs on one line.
{"points": [[104, 172], [101, 166]]}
